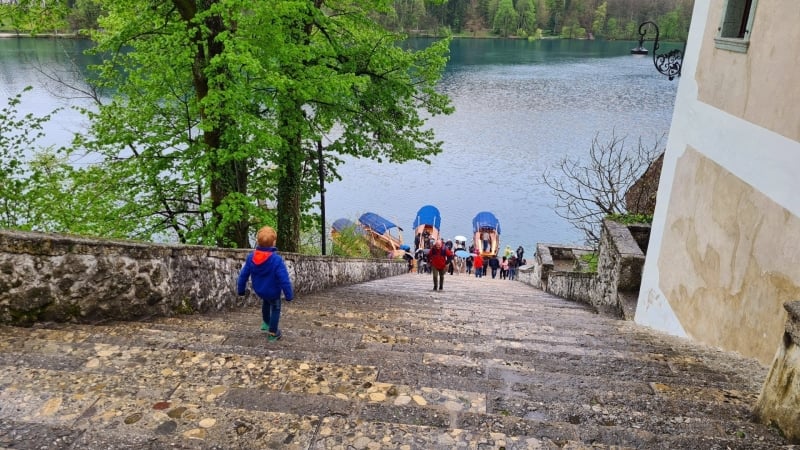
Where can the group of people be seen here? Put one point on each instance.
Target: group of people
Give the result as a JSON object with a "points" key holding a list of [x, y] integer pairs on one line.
{"points": [[441, 258], [505, 267]]}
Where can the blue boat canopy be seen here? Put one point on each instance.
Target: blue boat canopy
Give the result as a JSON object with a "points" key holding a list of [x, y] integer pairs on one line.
{"points": [[485, 219], [341, 224], [428, 215], [376, 223]]}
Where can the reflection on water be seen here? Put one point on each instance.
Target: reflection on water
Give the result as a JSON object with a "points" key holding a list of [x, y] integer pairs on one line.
{"points": [[520, 107]]}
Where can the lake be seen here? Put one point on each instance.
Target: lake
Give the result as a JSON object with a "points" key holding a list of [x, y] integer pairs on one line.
{"points": [[520, 107]]}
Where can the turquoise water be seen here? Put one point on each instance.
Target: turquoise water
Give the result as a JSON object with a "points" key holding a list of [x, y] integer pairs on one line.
{"points": [[520, 107]]}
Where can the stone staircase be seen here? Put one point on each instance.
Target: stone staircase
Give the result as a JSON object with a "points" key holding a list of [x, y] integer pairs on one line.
{"points": [[389, 364]]}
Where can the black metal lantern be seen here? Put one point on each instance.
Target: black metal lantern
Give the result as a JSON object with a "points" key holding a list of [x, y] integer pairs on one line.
{"points": [[668, 63]]}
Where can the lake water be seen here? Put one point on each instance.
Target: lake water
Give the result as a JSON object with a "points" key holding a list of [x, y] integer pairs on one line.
{"points": [[520, 107]]}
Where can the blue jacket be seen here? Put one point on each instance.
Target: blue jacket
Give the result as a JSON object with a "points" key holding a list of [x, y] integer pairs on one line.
{"points": [[268, 274]]}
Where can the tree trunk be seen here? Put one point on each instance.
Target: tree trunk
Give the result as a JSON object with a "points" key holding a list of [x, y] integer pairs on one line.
{"points": [[229, 176], [290, 180]]}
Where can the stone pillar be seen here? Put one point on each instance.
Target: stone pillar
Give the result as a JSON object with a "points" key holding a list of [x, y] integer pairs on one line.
{"points": [[779, 402]]}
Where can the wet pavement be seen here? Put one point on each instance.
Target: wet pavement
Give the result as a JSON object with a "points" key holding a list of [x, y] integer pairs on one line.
{"points": [[389, 364]]}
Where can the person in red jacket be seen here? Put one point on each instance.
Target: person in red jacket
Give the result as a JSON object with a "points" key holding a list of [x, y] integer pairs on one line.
{"points": [[437, 258], [478, 263]]}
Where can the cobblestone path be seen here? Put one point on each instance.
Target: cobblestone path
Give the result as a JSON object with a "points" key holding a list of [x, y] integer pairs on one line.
{"points": [[483, 364]]}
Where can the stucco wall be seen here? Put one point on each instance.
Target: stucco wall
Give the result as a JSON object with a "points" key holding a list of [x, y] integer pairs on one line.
{"points": [[760, 85], [64, 278], [732, 260]]}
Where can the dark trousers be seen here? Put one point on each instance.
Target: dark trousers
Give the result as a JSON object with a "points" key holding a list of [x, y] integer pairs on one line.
{"points": [[438, 278], [271, 313]]}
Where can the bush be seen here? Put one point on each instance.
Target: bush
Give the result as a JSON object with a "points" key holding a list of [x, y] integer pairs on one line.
{"points": [[628, 219]]}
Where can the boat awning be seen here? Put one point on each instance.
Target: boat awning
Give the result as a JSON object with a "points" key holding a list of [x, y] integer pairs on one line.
{"points": [[428, 215], [341, 224], [376, 223], [487, 220]]}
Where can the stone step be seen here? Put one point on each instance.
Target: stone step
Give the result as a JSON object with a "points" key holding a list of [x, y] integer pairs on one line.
{"points": [[386, 364]]}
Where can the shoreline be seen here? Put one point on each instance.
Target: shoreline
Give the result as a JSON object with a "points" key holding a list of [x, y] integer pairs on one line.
{"points": [[9, 35]]}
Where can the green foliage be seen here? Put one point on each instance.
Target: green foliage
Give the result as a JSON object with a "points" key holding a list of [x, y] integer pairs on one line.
{"points": [[18, 136], [628, 218], [40, 190], [36, 16], [424, 17], [84, 14], [215, 114], [589, 262], [526, 11], [350, 242], [506, 18], [599, 21]]}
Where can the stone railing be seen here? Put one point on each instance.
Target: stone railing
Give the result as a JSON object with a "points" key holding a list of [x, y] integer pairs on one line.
{"points": [[552, 272], [49, 277], [615, 286], [779, 402], [619, 267]]}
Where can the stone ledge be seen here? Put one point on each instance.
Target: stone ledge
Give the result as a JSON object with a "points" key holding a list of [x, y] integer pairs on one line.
{"points": [[61, 278]]}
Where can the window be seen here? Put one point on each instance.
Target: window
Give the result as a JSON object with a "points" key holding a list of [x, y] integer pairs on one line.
{"points": [[737, 20]]}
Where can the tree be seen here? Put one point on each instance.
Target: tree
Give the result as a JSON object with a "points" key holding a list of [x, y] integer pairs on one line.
{"points": [[505, 19], [588, 190], [526, 11], [210, 94], [36, 16], [17, 135], [599, 21], [556, 9]]}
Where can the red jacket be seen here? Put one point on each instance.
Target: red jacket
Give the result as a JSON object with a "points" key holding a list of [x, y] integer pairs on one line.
{"points": [[478, 262], [438, 257]]}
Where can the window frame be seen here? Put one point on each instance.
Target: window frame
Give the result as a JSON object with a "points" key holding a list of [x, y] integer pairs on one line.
{"points": [[735, 36]]}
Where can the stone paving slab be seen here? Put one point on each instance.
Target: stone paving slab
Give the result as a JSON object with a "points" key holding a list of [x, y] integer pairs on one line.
{"points": [[484, 364]]}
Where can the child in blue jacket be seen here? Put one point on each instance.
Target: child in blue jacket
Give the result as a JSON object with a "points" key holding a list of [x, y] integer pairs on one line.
{"points": [[269, 277]]}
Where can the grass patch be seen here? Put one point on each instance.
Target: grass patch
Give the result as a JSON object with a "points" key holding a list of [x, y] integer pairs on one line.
{"points": [[589, 261]]}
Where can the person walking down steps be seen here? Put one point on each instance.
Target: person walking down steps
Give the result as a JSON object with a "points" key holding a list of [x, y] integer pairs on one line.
{"points": [[269, 278], [438, 257]]}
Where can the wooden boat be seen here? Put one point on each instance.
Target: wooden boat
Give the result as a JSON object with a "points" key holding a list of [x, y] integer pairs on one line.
{"points": [[379, 232], [344, 226], [426, 227], [486, 227]]}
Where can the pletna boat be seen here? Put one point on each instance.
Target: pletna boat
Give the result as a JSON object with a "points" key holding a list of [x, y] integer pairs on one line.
{"points": [[383, 235], [427, 223], [486, 234], [343, 226]]}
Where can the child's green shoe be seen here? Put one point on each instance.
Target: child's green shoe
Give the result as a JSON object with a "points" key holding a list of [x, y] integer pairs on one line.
{"points": [[275, 336], [264, 326]]}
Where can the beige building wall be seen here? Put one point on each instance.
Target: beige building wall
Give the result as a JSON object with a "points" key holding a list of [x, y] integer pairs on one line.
{"points": [[758, 86], [725, 264], [724, 253]]}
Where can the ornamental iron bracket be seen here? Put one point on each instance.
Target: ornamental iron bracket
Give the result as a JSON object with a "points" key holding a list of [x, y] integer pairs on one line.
{"points": [[669, 63]]}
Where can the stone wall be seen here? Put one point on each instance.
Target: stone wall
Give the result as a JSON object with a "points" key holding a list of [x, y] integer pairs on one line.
{"points": [[49, 277], [548, 272], [578, 286], [619, 268], [779, 402], [615, 286]]}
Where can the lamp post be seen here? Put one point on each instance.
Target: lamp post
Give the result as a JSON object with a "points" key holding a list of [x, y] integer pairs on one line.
{"points": [[668, 63]]}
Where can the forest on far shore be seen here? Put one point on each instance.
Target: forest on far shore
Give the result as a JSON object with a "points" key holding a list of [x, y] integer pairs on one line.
{"points": [[526, 19], [571, 19]]}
